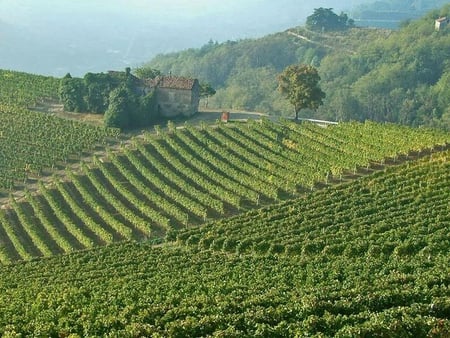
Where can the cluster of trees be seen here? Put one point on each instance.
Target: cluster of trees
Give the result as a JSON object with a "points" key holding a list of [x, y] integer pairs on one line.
{"points": [[324, 19], [397, 76], [401, 77], [113, 94]]}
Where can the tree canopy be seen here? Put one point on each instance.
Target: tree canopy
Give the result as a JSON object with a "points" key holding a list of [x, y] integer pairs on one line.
{"points": [[206, 91], [324, 19], [146, 72], [396, 76], [113, 94], [300, 85]]}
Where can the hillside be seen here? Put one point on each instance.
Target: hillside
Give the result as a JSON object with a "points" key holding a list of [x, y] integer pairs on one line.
{"points": [[251, 228], [187, 176], [26, 90], [32, 142], [396, 76], [367, 258]]}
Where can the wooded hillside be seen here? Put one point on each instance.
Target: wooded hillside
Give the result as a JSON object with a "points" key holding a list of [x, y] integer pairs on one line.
{"points": [[397, 76]]}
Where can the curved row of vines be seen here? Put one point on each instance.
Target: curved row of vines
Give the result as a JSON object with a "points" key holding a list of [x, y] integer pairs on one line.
{"points": [[31, 142], [189, 176], [362, 259]]}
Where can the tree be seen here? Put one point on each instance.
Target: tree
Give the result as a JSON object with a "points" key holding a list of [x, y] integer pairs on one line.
{"points": [[324, 19], [71, 93], [206, 91], [300, 85], [117, 114], [147, 72], [98, 87]]}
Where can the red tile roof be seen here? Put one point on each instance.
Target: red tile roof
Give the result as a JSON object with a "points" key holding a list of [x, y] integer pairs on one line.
{"points": [[173, 82]]}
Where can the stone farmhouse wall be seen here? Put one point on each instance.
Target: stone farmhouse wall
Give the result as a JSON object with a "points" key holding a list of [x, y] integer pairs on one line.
{"points": [[174, 102]]}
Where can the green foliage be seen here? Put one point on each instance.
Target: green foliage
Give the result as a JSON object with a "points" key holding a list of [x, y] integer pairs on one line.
{"points": [[206, 91], [128, 110], [27, 90], [300, 85], [181, 178], [146, 72], [324, 19], [98, 87], [90, 94], [113, 94], [367, 73], [71, 93], [31, 142], [221, 65], [118, 113], [389, 277]]}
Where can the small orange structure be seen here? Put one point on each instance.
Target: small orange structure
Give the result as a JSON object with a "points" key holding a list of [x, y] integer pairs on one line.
{"points": [[225, 116]]}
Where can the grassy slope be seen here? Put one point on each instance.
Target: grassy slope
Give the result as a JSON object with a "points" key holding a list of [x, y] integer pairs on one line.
{"points": [[368, 258]]}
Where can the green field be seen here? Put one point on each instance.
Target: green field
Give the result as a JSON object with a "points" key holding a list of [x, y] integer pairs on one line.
{"points": [[255, 229], [31, 142], [27, 90], [367, 258], [185, 177]]}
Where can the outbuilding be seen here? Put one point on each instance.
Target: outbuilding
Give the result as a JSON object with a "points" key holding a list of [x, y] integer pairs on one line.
{"points": [[441, 23], [175, 95]]}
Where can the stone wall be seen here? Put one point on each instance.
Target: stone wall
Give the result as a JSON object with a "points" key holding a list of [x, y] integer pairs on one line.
{"points": [[176, 102]]}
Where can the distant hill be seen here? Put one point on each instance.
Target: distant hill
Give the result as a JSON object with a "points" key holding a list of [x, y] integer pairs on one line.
{"points": [[54, 38], [391, 14], [383, 75]]}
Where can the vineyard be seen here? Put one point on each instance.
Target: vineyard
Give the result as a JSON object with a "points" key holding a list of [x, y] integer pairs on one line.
{"points": [[181, 178], [366, 258], [31, 142], [26, 90]]}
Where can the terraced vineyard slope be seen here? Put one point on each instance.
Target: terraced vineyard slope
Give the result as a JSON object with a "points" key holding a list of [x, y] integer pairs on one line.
{"points": [[188, 176], [368, 258], [31, 142]]}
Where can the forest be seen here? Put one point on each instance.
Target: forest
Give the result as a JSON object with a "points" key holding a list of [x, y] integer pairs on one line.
{"points": [[399, 76]]}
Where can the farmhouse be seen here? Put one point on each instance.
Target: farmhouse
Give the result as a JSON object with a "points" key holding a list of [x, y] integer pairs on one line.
{"points": [[175, 95], [441, 23]]}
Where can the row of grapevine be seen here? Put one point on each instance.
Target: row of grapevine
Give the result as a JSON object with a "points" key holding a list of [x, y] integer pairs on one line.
{"points": [[31, 142], [180, 179], [185, 164], [177, 177], [367, 258], [396, 197], [26, 90]]}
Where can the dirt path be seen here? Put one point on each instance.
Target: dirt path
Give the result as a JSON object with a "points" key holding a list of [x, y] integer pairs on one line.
{"points": [[319, 43]]}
